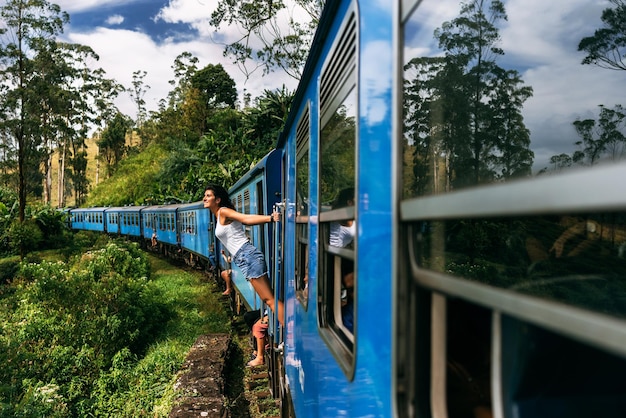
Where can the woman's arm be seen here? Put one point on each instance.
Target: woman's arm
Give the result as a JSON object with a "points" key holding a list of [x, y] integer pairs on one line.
{"points": [[231, 214]]}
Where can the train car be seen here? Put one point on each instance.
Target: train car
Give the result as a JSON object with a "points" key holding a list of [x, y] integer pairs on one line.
{"points": [[196, 227], [161, 222], [124, 220], [88, 219], [112, 220], [454, 229], [338, 221], [130, 221], [256, 193]]}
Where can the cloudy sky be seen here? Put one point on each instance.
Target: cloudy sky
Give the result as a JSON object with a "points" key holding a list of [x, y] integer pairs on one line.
{"points": [[540, 40], [131, 35]]}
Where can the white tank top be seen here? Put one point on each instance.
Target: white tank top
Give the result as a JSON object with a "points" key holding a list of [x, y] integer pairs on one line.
{"points": [[232, 235]]}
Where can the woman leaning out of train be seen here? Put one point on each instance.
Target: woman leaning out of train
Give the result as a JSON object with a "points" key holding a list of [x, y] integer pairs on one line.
{"points": [[230, 231]]}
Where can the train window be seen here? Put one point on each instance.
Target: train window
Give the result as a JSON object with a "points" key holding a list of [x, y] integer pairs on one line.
{"points": [[302, 207], [513, 219], [337, 185], [576, 259]]}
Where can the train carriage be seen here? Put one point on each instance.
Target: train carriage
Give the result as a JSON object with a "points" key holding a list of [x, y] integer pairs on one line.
{"points": [[88, 219], [196, 228], [161, 222], [124, 220], [338, 235]]}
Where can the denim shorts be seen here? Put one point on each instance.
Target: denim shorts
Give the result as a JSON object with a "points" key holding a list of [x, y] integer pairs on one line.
{"points": [[251, 261]]}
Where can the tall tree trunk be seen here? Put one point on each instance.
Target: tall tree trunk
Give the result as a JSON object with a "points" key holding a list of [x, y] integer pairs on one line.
{"points": [[62, 174]]}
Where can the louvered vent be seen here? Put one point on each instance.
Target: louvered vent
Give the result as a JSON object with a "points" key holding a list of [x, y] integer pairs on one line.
{"points": [[341, 63], [302, 130], [246, 201]]}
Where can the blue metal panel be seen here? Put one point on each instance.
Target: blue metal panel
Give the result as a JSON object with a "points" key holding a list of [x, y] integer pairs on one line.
{"points": [[164, 219], [318, 386], [195, 229]]}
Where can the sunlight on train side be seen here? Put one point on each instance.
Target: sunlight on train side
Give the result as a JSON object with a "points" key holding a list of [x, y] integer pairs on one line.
{"points": [[505, 105]]}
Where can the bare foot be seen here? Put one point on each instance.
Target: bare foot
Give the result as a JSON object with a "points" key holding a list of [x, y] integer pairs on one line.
{"points": [[226, 292], [256, 362]]}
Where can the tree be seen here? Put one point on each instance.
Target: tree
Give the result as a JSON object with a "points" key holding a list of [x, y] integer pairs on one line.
{"points": [[216, 86], [137, 93], [211, 88], [604, 137], [112, 142], [29, 27], [607, 46], [285, 40], [483, 133], [560, 161]]}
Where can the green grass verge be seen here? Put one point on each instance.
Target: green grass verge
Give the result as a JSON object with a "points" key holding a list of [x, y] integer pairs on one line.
{"points": [[197, 311]]}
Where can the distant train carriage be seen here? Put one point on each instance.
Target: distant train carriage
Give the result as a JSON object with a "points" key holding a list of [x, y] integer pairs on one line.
{"points": [[196, 231], [88, 219], [123, 220], [160, 222], [112, 220], [129, 221]]}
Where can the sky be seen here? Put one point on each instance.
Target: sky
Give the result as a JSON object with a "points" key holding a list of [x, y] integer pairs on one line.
{"points": [[540, 40], [148, 35]]}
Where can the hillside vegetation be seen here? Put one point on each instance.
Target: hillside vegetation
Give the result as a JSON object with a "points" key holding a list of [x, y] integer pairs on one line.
{"points": [[101, 335]]}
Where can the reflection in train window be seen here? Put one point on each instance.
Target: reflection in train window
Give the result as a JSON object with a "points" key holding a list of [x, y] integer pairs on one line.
{"points": [[503, 276], [575, 259], [481, 105], [337, 185]]}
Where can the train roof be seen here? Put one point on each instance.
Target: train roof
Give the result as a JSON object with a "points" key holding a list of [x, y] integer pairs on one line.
{"points": [[95, 209], [163, 208], [192, 205], [326, 20], [124, 208]]}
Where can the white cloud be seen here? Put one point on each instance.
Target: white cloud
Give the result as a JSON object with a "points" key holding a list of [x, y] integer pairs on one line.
{"points": [[115, 20], [187, 11]]}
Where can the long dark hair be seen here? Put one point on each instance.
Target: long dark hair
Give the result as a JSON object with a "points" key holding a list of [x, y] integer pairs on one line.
{"points": [[220, 193]]}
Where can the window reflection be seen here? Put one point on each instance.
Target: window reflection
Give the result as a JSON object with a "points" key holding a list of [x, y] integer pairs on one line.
{"points": [[337, 190], [491, 94], [337, 164], [575, 259]]}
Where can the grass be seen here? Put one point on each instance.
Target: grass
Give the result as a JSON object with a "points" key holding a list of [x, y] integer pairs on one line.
{"points": [[197, 312]]}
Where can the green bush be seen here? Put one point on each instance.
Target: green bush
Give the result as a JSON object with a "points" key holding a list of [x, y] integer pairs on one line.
{"points": [[8, 269], [65, 325], [24, 235], [51, 223]]}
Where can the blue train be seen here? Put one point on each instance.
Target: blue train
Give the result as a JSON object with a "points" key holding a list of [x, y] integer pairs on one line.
{"points": [[453, 231]]}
